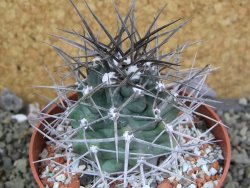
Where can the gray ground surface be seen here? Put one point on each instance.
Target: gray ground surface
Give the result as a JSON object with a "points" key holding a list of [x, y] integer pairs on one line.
{"points": [[237, 117], [14, 141]]}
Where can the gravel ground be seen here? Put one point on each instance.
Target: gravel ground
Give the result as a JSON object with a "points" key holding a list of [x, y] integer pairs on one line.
{"points": [[237, 117], [15, 134]]}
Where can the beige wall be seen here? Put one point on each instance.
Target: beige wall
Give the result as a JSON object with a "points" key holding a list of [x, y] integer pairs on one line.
{"points": [[223, 25]]}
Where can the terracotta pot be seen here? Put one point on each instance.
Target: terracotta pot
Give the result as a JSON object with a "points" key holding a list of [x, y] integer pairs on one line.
{"points": [[37, 144]]}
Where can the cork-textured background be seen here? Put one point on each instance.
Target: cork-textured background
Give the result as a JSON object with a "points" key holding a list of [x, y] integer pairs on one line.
{"points": [[222, 25]]}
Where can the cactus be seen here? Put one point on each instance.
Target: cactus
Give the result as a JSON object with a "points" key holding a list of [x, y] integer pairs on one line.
{"points": [[130, 101], [136, 108]]}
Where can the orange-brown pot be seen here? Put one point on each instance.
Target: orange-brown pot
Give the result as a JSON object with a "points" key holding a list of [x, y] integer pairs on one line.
{"points": [[37, 144]]}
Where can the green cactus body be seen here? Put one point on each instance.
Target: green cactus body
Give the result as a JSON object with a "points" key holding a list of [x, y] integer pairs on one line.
{"points": [[141, 105]]}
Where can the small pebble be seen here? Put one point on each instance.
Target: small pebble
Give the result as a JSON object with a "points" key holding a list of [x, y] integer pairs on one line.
{"points": [[185, 167], [243, 101], [213, 171], [201, 162], [209, 184], [20, 118], [56, 185], [82, 167], [60, 177], [192, 186], [60, 128], [178, 186], [21, 165]]}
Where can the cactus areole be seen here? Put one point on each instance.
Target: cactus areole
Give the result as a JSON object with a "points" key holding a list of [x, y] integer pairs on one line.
{"points": [[130, 101]]}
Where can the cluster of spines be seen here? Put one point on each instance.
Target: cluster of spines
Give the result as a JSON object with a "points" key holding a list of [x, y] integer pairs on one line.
{"points": [[123, 68]]}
